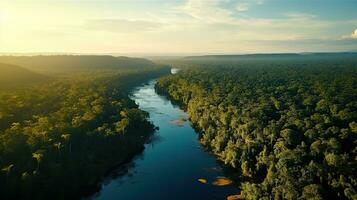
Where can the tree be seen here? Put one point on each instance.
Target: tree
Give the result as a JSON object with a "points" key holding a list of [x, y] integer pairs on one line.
{"points": [[245, 168], [67, 138], [270, 177], [312, 192], [38, 155], [332, 159], [7, 170], [58, 146]]}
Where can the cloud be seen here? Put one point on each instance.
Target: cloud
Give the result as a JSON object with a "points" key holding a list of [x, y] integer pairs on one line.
{"points": [[242, 7], [187, 25], [246, 5], [205, 10], [215, 11], [300, 16], [219, 18], [317, 41], [121, 25], [354, 34]]}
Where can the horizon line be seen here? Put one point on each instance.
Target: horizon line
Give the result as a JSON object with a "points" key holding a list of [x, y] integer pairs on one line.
{"points": [[178, 54]]}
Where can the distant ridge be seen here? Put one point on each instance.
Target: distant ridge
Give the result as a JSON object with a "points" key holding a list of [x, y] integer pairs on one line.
{"points": [[75, 62], [12, 76], [276, 56]]}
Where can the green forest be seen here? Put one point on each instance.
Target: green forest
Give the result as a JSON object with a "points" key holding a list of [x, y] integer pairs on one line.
{"points": [[178, 99], [61, 132], [287, 127]]}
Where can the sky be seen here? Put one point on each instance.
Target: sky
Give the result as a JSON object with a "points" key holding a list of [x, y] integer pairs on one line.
{"points": [[173, 27]]}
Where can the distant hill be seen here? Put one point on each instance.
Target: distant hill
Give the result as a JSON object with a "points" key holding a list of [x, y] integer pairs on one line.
{"points": [[75, 62], [263, 60], [12, 76], [277, 56]]}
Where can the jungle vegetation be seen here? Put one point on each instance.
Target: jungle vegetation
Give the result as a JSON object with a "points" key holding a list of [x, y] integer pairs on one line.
{"points": [[59, 137], [287, 127]]}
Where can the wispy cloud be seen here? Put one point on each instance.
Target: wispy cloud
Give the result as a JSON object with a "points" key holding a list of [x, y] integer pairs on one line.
{"points": [[245, 5], [242, 7], [300, 15], [121, 25], [205, 10], [223, 18]]}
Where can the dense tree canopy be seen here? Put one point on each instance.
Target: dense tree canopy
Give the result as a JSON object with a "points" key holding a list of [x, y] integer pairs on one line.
{"points": [[58, 139], [289, 128]]}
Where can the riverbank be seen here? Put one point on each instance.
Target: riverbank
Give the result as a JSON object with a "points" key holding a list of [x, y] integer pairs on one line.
{"points": [[171, 166]]}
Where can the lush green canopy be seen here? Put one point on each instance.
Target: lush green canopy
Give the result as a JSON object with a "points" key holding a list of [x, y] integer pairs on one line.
{"points": [[289, 128], [59, 138]]}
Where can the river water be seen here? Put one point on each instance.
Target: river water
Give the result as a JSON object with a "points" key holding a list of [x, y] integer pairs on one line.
{"points": [[170, 166]]}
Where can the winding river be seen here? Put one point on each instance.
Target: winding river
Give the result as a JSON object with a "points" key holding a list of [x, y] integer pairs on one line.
{"points": [[172, 164]]}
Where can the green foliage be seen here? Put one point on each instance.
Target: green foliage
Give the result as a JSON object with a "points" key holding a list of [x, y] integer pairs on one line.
{"points": [[58, 139], [312, 192], [289, 127]]}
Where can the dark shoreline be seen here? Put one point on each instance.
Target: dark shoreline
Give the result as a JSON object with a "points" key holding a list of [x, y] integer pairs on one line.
{"points": [[122, 166]]}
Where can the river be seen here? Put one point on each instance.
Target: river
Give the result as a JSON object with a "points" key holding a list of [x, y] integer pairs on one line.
{"points": [[170, 166]]}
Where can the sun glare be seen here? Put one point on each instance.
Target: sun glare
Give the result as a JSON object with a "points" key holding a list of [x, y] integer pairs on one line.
{"points": [[4, 17]]}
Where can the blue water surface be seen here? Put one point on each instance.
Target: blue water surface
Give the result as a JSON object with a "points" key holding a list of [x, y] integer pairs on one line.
{"points": [[170, 166]]}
